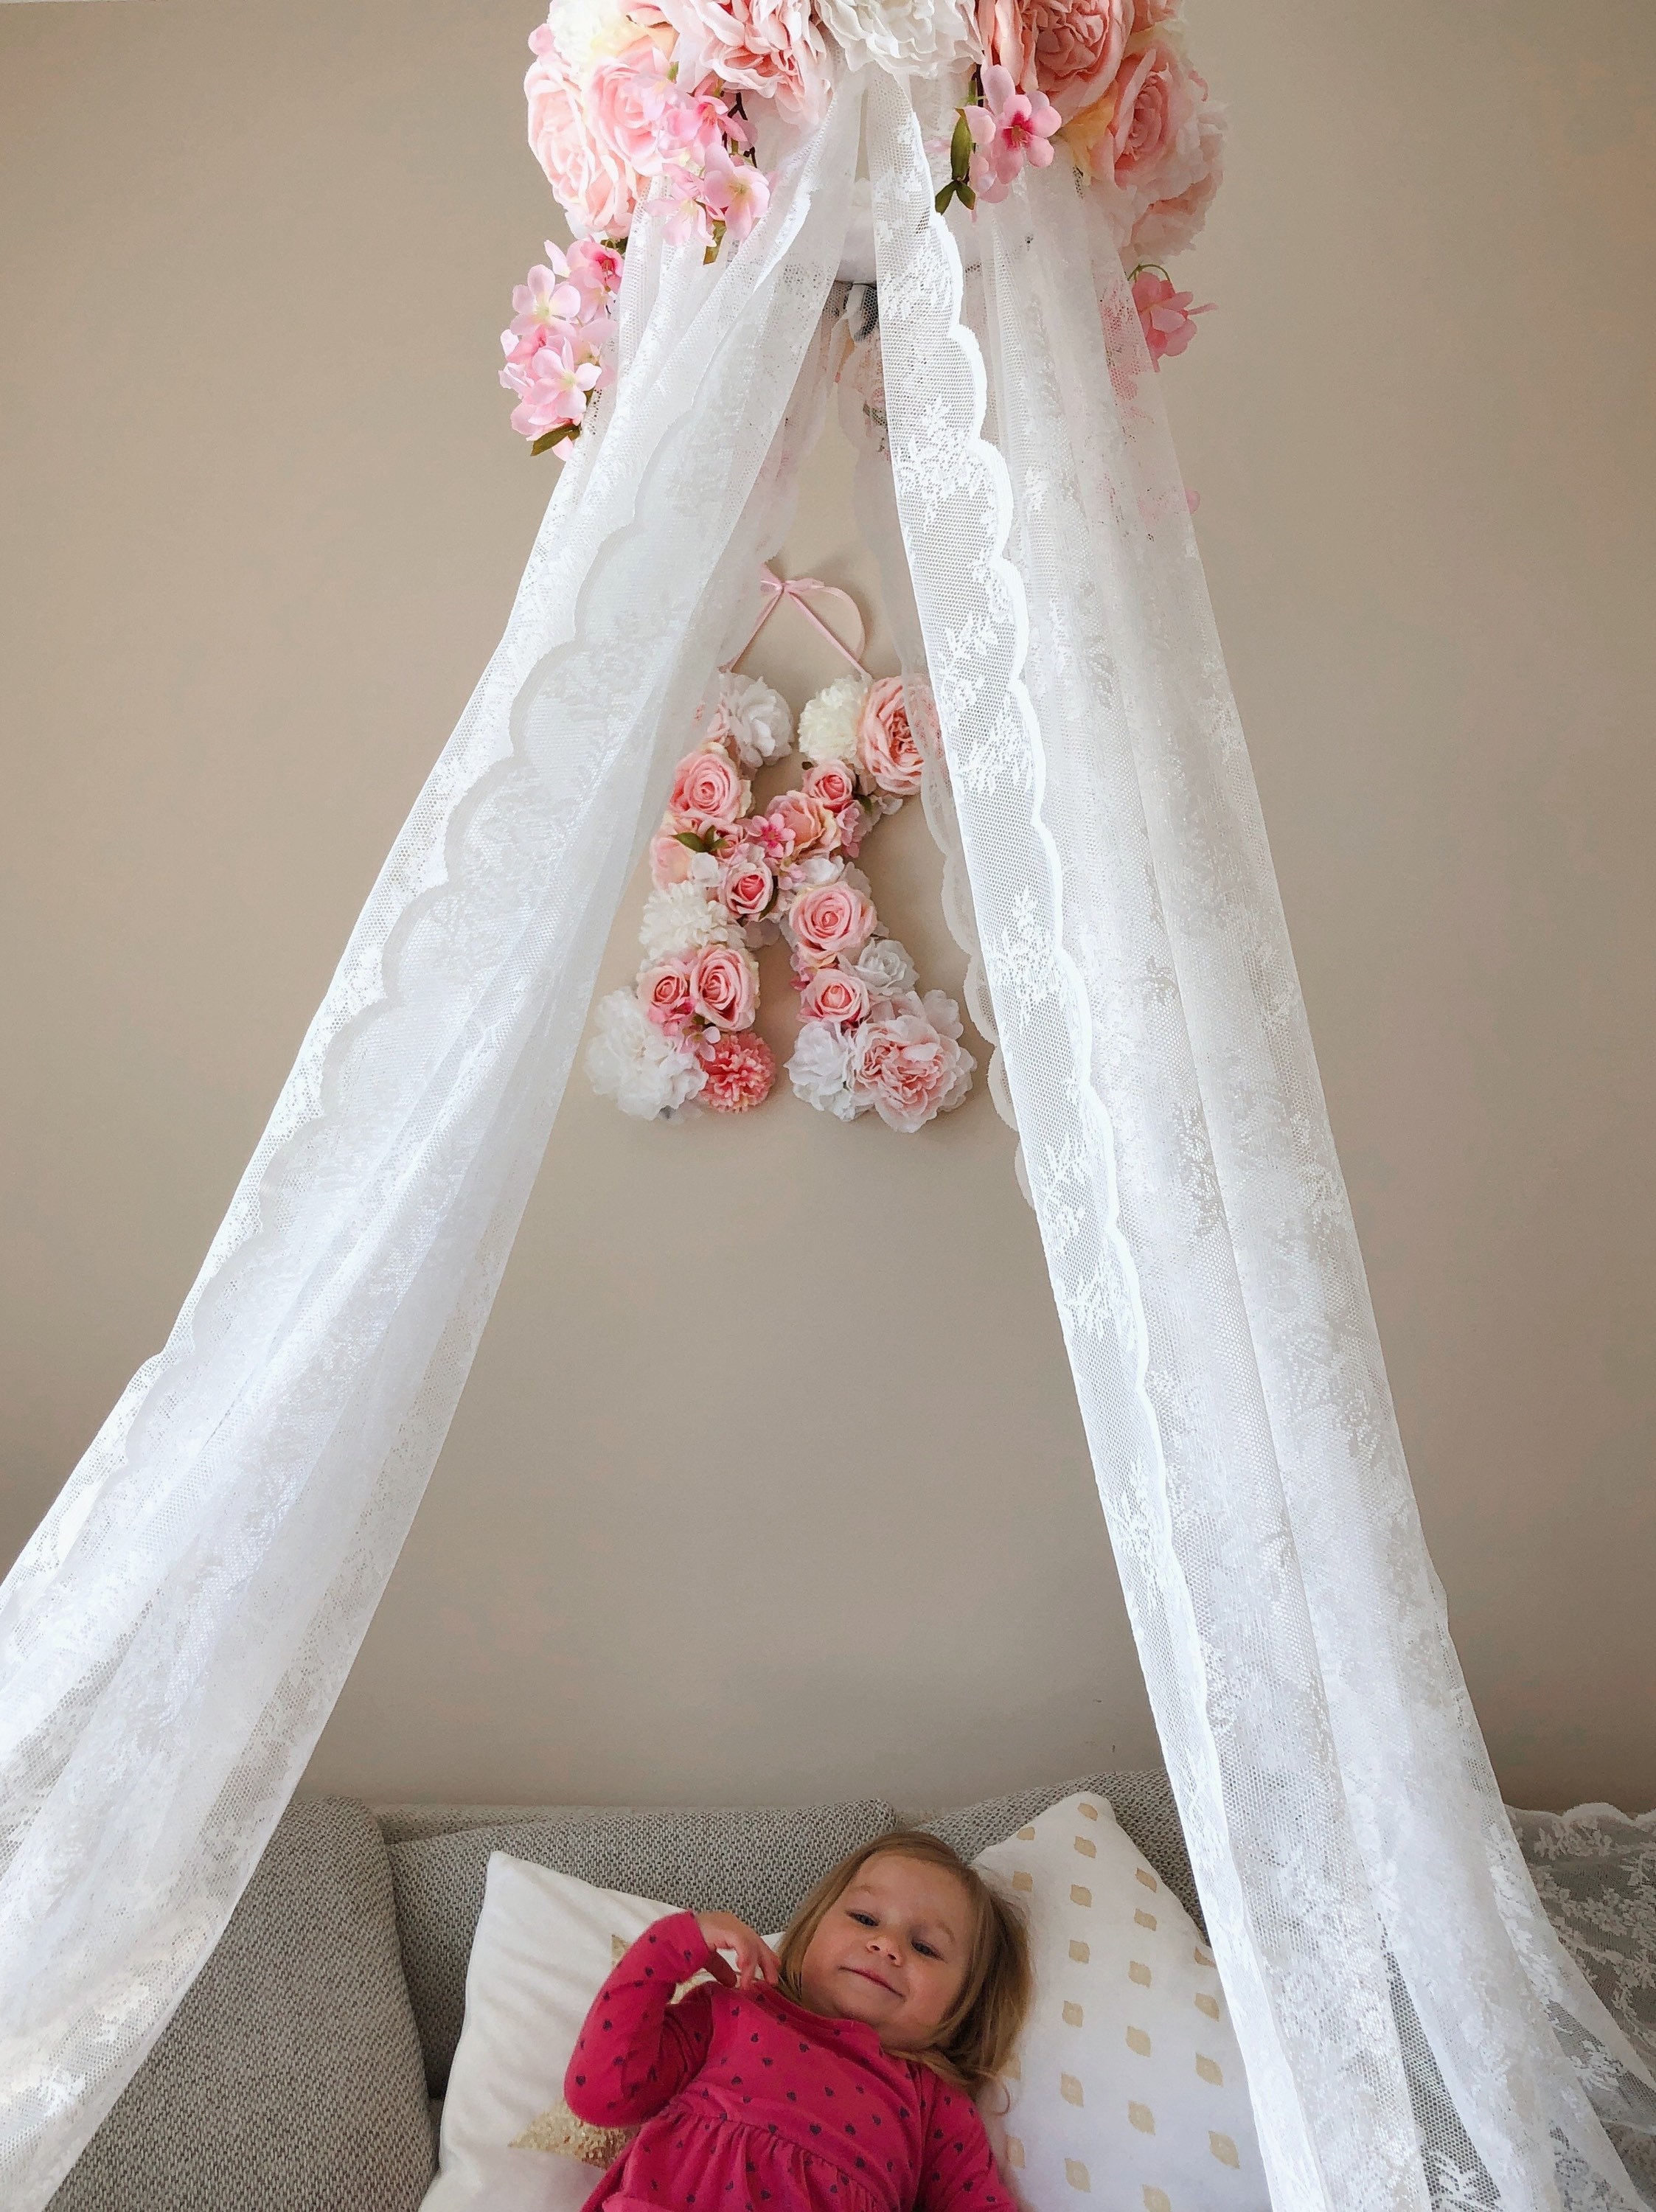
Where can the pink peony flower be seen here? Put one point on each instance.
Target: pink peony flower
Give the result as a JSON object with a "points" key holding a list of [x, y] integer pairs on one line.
{"points": [[831, 784], [908, 1066], [826, 920], [1010, 128], [666, 994], [768, 46], [709, 792], [724, 987], [1167, 315], [1078, 46], [885, 743], [834, 994], [596, 189], [740, 1070], [1168, 224], [747, 883], [1006, 37]]}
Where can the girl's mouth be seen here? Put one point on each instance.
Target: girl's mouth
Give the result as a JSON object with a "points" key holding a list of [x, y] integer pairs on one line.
{"points": [[864, 1974]]}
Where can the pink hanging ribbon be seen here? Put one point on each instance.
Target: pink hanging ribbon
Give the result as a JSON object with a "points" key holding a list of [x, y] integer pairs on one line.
{"points": [[802, 591]]}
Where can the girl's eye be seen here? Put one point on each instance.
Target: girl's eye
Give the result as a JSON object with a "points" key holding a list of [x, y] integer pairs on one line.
{"points": [[863, 1919], [926, 1950]]}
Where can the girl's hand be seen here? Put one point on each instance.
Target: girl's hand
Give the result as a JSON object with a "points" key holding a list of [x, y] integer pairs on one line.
{"points": [[756, 1965]]}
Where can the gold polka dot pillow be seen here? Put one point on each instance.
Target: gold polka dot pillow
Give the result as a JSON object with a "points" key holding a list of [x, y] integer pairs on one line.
{"points": [[1127, 2092]]}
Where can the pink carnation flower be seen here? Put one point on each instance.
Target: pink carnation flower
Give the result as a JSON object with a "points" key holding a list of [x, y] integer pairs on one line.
{"points": [[740, 1069]]}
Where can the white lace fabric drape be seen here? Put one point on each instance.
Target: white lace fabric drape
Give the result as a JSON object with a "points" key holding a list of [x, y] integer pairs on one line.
{"points": [[174, 1638]]}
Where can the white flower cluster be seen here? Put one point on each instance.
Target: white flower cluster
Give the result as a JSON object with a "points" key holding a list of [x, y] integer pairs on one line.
{"points": [[828, 723], [632, 1061]]}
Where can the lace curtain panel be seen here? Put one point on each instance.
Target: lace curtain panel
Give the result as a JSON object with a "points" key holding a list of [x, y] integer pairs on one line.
{"points": [[175, 1635]]}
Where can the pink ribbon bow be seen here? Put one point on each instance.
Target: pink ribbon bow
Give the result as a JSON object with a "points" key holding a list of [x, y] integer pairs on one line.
{"points": [[802, 591]]}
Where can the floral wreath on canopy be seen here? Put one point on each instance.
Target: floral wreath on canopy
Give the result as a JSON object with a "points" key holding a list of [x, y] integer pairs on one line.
{"points": [[646, 108]]}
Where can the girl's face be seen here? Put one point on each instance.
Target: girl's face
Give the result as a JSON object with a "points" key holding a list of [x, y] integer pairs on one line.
{"points": [[892, 1950]]}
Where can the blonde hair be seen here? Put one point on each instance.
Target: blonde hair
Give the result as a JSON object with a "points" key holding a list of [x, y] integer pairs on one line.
{"points": [[975, 2043]]}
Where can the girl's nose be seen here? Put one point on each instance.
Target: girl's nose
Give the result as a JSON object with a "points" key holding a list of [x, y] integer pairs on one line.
{"points": [[883, 1945]]}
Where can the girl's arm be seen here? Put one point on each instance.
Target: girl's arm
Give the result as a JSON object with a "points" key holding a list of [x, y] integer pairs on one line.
{"points": [[958, 2171], [637, 2048]]}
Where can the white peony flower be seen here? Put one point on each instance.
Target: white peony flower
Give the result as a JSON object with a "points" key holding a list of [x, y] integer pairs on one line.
{"points": [[920, 38], [589, 32], [828, 723], [820, 1070], [885, 967], [680, 919], [754, 718], [630, 1061]]}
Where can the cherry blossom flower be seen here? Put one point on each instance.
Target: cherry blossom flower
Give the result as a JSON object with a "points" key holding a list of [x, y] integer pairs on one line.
{"points": [[734, 193], [1010, 128], [553, 386]]}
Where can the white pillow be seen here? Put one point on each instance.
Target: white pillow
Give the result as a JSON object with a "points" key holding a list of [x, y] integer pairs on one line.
{"points": [[1128, 2086], [544, 1946]]}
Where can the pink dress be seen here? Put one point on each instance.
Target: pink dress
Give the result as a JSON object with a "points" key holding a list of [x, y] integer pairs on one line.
{"points": [[747, 2102]]}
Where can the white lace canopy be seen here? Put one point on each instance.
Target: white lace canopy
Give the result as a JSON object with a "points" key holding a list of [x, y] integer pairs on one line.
{"points": [[174, 1638]]}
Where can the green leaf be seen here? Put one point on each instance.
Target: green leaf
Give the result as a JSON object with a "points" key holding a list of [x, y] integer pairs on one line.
{"points": [[968, 197], [696, 842], [945, 196], [960, 148], [556, 437]]}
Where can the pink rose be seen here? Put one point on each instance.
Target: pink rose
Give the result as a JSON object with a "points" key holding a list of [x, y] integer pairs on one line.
{"points": [[827, 920], [1155, 98], [906, 1068], [1006, 34], [796, 823], [724, 985], [885, 744], [769, 47], [1168, 225], [667, 994], [596, 188], [747, 883], [709, 792], [831, 784], [670, 861], [740, 1070], [624, 96], [1077, 47], [834, 994]]}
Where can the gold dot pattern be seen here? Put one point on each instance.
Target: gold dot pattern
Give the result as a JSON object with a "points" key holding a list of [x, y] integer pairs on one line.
{"points": [[1136, 2096]]}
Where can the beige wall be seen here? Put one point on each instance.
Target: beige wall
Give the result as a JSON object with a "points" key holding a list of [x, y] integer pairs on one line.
{"points": [[263, 519]]}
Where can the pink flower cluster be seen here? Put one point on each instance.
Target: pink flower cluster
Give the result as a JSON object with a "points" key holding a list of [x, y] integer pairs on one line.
{"points": [[555, 344], [728, 879], [1109, 81], [616, 108]]}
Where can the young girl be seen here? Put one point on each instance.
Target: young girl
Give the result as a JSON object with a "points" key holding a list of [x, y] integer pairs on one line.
{"points": [[838, 2077]]}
